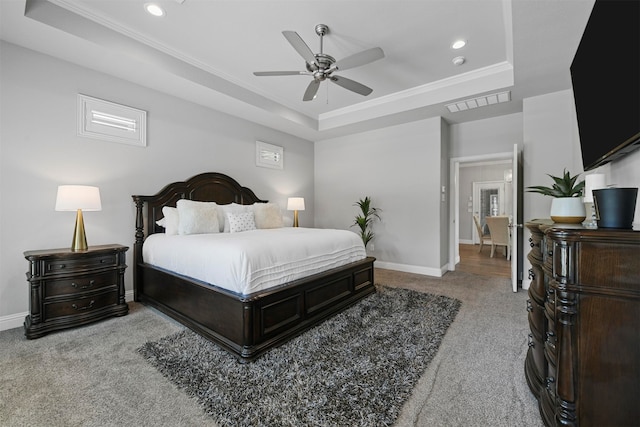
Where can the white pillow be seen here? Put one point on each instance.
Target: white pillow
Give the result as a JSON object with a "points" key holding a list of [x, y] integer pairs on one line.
{"points": [[231, 208], [267, 215], [170, 221], [242, 221], [197, 217]]}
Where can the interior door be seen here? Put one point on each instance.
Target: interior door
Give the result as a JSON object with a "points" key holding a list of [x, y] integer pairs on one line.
{"points": [[516, 222]]}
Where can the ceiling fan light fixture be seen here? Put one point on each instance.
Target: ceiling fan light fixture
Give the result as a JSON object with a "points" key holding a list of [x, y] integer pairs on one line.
{"points": [[321, 66], [154, 9]]}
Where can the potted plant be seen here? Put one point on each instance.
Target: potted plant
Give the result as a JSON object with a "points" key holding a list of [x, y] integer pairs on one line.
{"points": [[567, 205], [365, 218]]}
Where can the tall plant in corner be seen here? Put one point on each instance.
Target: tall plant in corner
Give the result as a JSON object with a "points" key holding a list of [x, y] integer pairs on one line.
{"points": [[365, 218]]}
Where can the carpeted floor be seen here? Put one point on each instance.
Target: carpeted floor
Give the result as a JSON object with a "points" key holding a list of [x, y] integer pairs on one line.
{"points": [[94, 376], [355, 369]]}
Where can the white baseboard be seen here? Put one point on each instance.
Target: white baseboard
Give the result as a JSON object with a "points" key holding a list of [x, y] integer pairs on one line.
{"points": [[17, 320], [12, 321], [427, 271], [465, 242]]}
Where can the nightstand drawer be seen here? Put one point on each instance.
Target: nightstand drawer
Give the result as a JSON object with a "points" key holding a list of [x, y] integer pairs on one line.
{"points": [[81, 305], [72, 265], [78, 284]]}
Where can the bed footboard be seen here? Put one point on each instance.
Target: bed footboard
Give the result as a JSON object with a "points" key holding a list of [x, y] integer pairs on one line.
{"points": [[249, 326]]}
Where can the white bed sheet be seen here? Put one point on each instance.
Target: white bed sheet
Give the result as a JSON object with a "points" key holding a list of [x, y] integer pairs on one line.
{"points": [[256, 260]]}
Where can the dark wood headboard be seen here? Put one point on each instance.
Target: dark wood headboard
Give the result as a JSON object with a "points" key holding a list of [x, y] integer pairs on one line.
{"points": [[206, 187]]}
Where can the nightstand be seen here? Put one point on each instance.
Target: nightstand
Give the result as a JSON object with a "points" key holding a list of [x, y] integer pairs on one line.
{"points": [[68, 289]]}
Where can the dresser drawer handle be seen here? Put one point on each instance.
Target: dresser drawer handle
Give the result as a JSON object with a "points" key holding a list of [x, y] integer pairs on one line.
{"points": [[529, 306], [531, 242], [86, 307], [75, 285], [550, 337], [531, 343], [549, 382], [532, 275]]}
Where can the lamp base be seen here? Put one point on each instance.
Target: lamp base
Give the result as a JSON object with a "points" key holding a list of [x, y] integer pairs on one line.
{"points": [[79, 242], [295, 218]]}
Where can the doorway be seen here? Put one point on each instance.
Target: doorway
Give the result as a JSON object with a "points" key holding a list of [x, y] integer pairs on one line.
{"points": [[513, 175]]}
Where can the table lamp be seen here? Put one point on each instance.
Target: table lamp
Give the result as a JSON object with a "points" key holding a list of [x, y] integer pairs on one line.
{"points": [[76, 198], [295, 204]]}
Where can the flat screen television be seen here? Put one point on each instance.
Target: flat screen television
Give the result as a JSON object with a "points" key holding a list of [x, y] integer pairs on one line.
{"points": [[605, 73]]}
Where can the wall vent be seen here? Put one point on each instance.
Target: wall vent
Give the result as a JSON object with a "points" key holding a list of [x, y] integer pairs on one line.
{"points": [[109, 121], [481, 101], [269, 155]]}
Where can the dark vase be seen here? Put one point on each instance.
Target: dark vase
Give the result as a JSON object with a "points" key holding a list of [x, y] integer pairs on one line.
{"points": [[615, 207]]}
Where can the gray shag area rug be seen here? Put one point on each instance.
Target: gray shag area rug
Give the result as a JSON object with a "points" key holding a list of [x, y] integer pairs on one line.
{"points": [[356, 368]]}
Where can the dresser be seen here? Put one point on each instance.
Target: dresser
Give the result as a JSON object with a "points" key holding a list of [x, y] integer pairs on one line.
{"points": [[68, 289], [583, 362]]}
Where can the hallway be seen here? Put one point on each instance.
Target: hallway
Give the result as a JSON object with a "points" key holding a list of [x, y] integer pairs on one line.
{"points": [[472, 261]]}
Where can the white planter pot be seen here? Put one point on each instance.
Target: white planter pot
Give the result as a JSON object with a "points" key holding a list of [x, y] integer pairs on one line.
{"points": [[568, 210]]}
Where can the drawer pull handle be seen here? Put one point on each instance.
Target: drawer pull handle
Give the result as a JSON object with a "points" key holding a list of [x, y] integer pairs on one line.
{"points": [[549, 382], [86, 307], [532, 275], [75, 285], [531, 343], [529, 306]]}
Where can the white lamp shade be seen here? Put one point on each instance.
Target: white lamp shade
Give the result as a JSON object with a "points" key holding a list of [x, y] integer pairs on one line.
{"points": [[74, 197], [295, 204], [595, 181]]}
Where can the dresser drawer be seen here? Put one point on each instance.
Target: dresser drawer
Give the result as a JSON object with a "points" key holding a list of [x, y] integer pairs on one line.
{"points": [[74, 265], [75, 285], [80, 306]]}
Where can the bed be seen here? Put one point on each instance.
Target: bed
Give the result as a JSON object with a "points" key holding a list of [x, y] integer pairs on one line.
{"points": [[247, 325]]}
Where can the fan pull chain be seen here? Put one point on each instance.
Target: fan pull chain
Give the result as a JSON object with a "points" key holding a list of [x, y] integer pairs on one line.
{"points": [[327, 86]]}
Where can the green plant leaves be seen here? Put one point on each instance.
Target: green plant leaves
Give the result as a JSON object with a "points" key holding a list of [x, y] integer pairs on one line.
{"points": [[564, 186], [365, 218]]}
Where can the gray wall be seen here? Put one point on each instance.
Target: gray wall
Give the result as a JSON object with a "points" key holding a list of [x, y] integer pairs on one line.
{"points": [[39, 150], [401, 169]]}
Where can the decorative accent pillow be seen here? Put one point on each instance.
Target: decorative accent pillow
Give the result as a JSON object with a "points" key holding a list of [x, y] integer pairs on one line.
{"points": [[170, 221], [242, 221], [197, 217], [267, 215], [231, 208]]}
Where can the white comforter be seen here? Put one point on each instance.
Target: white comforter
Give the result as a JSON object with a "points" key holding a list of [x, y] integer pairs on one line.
{"points": [[255, 260]]}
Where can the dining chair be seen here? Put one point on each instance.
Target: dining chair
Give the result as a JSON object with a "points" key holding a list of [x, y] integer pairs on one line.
{"points": [[500, 236], [481, 236]]}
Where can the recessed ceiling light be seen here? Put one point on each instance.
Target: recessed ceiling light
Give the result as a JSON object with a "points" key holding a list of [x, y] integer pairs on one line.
{"points": [[154, 9], [458, 44]]}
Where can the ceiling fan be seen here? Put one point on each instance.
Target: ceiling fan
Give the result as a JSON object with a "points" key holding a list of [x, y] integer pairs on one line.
{"points": [[322, 66]]}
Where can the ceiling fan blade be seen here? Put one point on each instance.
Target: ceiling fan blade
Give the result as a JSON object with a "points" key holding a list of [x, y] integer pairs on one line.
{"points": [[351, 85], [280, 73], [311, 91], [300, 46], [361, 58]]}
